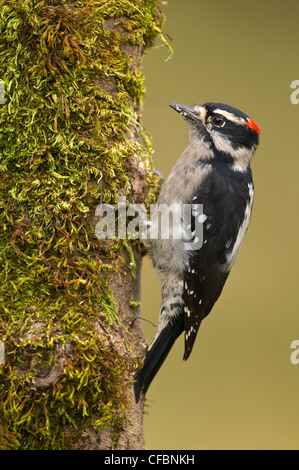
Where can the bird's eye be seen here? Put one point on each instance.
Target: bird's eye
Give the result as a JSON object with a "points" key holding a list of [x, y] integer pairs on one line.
{"points": [[218, 121]]}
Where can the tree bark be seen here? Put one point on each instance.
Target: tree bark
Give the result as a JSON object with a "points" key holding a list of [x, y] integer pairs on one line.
{"points": [[70, 140]]}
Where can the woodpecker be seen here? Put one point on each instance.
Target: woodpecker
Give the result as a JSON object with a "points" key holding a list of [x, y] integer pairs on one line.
{"points": [[213, 173]]}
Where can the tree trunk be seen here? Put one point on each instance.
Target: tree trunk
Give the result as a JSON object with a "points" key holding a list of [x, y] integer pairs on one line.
{"points": [[70, 140]]}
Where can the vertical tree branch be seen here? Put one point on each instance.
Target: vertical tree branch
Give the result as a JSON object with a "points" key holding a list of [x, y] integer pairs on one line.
{"points": [[70, 140]]}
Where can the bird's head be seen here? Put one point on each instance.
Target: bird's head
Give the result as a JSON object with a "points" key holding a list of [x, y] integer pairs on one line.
{"points": [[231, 134]]}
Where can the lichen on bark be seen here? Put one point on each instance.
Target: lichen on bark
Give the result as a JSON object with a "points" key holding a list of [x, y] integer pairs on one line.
{"points": [[69, 140]]}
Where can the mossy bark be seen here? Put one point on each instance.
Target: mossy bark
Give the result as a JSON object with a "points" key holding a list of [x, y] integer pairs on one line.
{"points": [[70, 140]]}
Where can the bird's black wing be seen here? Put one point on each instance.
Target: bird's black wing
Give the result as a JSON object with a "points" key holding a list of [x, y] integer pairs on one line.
{"points": [[223, 210]]}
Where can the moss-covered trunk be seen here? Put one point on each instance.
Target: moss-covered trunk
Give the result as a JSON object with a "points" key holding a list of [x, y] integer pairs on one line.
{"points": [[70, 140]]}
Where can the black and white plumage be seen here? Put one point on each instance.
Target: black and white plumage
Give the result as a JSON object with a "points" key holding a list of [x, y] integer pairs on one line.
{"points": [[213, 171]]}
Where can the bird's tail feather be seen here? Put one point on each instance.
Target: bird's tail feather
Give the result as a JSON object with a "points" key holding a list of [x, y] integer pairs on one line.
{"points": [[157, 354]]}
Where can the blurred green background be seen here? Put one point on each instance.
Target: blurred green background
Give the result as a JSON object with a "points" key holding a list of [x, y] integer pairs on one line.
{"points": [[239, 389]]}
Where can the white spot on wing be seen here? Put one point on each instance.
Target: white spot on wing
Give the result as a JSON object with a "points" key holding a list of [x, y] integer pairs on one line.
{"points": [[189, 332], [202, 218]]}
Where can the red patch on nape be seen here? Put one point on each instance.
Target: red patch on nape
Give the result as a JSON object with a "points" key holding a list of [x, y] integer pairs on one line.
{"points": [[252, 125]]}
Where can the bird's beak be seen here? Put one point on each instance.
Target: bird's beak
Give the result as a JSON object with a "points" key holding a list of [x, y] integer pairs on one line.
{"points": [[186, 112]]}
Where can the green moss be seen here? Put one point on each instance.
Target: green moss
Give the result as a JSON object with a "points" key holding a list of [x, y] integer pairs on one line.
{"points": [[134, 303], [63, 149]]}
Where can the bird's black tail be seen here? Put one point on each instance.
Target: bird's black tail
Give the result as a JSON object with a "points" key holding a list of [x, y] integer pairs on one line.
{"points": [[157, 354]]}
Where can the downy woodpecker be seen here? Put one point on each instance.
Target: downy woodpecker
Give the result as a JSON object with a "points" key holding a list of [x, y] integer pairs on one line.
{"points": [[214, 173]]}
